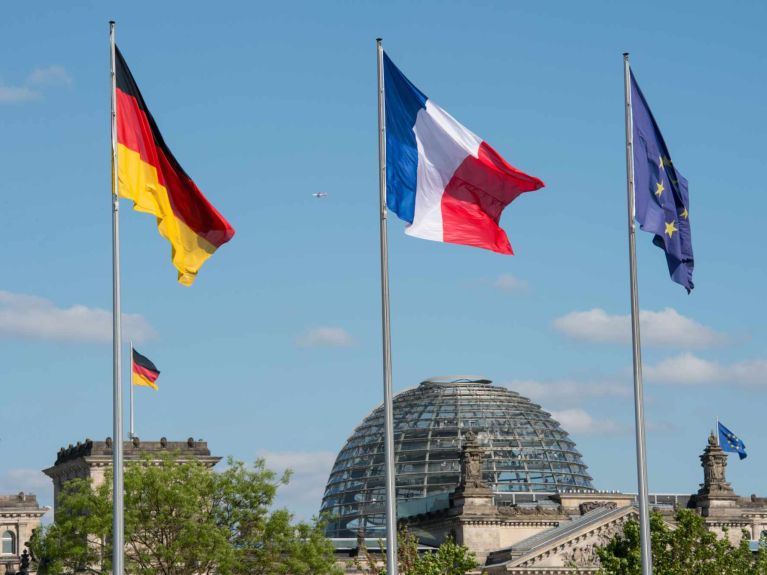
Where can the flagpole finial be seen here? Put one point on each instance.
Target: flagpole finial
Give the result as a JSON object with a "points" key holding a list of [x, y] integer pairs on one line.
{"points": [[379, 39], [112, 22]]}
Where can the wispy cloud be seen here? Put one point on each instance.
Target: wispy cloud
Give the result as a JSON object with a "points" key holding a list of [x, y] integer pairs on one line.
{"points": [[578, 421], [50, 76], [33, 317], [325, 336], [689, 369], [14, 94], [660, 328], [26, 480], [303, 495], [33, 88], [29, 481], [567, 390], [509, 283]]}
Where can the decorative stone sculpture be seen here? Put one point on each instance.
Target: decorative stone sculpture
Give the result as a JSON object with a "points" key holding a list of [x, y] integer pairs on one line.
{"points": [[714, 462], [591, 505], [24, 568], [471, 463]]}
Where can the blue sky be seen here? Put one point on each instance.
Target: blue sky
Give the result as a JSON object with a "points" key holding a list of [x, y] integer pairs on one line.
{"points": [[275, 350]]}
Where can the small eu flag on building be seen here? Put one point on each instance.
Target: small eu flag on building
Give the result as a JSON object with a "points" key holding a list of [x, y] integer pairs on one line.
{"points": [[662, 202], [728, 441]]}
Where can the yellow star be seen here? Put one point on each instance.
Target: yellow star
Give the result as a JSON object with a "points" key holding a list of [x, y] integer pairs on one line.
{"points": [[684, 214], [671, 228], [661, 162], [659, 189]]}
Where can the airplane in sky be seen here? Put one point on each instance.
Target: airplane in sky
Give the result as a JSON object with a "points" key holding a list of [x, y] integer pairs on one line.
{"points": [[320, 195]]}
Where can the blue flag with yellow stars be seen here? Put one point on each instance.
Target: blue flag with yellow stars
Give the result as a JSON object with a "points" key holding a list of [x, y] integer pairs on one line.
{"points": [[662, 202], [728, 441]]}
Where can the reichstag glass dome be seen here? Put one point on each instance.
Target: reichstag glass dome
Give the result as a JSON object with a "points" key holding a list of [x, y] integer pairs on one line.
{"points": [[527, 451]]}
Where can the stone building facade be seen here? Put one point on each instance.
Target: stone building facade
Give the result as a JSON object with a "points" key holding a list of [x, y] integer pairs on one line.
{"points": [[559, 534], [91, 459], [19, 515]]}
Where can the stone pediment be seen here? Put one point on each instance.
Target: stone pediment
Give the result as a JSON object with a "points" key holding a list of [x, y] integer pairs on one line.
{"points": [[570, 547]]}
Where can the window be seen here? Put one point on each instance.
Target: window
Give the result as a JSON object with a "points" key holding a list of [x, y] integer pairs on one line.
{"points": [[9, 543]]}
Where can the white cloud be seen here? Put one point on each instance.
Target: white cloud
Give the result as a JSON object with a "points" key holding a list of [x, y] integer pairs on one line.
{"points": [[303, 495], [567, 390], [660, 426], [508, 283], [49, 76], [578, 421], [39, 80], [13, 94], [26, 480], [34, 317], [325, 336], [689, 369], [661, 328], [31, 481]]}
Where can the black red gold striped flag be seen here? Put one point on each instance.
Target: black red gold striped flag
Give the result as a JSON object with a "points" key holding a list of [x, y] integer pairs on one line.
{"points": [[144, 371], [150, 175]]}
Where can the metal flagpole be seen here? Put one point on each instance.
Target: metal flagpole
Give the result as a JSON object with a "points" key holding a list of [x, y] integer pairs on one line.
{"points": [[391, 494], [130, 383], [117, 407], [644, 518]]}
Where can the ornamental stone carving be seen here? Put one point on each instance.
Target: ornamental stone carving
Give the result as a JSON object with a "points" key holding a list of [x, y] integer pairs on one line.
{"points": [[591, 505], [585, 554], [471, 463], [515, 511], [714, 462]]}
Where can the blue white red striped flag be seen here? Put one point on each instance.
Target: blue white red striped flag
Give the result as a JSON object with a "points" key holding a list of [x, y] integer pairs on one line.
{"points": [[443, 180]]}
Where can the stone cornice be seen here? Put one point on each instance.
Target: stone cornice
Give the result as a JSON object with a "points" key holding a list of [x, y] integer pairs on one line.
{"points": [[511, 523], [29, 513]]}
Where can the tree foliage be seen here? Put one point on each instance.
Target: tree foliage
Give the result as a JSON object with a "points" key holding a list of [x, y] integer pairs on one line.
{"points": [[183, 519], [449, 559], [687, 549]]}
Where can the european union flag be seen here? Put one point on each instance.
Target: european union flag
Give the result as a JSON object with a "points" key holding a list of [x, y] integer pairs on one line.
{"points": [[662, 202], [728, 441]]}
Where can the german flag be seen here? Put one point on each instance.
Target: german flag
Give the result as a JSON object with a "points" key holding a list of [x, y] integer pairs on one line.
{"points": [[144, 372], [150, 175]]}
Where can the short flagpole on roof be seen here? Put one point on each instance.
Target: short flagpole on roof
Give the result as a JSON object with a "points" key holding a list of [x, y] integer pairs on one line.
{"points": [[391, 493], [130, 433], [117, 390], [716, 433], [644, 518]]}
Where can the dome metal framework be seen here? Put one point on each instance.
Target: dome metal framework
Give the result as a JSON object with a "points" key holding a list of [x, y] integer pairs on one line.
{"points": [[526, 451]]}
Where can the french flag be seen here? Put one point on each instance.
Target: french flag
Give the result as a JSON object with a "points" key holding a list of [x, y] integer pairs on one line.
{"points": [[446, 182]]}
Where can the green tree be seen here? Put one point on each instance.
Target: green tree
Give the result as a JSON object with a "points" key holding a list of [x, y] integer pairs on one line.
{"points": [[686, 549], [449, 558], [181, 518]]}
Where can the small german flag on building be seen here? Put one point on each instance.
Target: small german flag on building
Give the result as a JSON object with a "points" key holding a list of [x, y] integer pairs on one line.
{"points": [[150, 175], [143, 371]]}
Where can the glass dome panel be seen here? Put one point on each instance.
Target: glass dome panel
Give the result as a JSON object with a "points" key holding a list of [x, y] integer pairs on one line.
{"points": [[526, 450]]}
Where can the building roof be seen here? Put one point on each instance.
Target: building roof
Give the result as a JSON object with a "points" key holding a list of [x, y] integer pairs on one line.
{"points": [[134, 448], [21, 505]]}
